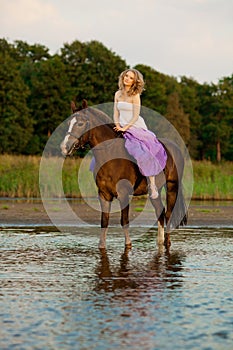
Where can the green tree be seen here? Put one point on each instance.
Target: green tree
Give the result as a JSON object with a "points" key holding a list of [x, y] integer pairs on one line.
{"points": [[176, 115], [49, 99], [190, 101], [36, 89], [225, 106], [93, 71], [16, 126], [34, 53], [216, 109], [103, 70], [6, 48], [73, 57], [154, 96]]}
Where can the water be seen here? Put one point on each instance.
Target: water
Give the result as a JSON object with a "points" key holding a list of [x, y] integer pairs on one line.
{"points": [[59, 292]]}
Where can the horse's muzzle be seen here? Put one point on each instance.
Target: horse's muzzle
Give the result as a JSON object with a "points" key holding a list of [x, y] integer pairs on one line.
{"points": [[67, 148], [64, 149]]}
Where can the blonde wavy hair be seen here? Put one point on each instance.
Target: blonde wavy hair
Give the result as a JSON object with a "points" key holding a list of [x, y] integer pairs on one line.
{"points": [[138, 84]]}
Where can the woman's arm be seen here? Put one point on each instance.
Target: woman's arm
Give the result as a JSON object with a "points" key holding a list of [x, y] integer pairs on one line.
{"points": [[116, 111]]}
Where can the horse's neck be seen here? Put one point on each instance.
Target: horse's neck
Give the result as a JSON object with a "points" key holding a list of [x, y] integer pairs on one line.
{"points": [[106, 144], [100, 134]]}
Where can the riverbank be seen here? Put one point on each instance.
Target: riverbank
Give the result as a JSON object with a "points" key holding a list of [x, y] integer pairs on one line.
{"points": [[19, 177], [32, 212]]}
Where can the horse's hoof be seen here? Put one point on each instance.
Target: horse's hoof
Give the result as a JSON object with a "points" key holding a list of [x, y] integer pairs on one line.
{"points": [[167, 243], [128, 245], [160, 242], [167, 240], [101, 246]]}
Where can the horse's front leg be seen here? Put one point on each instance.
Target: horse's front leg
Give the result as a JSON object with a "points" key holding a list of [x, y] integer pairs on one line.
{"points": [[124, 203], [105, 212], [160, 214], [125, 225], [161, 237], [124, 188]]}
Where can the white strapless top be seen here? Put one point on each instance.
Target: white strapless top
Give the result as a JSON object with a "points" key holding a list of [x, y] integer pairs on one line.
{"points": [[126, 114]]}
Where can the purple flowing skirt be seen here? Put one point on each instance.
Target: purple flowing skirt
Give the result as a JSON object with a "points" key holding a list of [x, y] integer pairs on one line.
{"points": [[148, 152]]}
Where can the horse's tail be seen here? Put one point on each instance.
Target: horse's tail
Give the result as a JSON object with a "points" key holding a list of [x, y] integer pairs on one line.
{"points": [[181, 208], [179, 215]]}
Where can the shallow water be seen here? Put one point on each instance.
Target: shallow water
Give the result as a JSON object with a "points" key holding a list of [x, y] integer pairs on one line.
{"points": [[59, 292]]}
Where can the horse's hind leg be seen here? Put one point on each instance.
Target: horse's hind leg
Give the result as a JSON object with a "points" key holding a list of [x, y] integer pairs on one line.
{"points": [[172, 190], [105, 212], [160, 215], [125, 225]]}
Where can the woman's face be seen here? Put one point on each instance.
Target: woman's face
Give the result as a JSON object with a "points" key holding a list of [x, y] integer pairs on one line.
{"points": [[129, 78]]}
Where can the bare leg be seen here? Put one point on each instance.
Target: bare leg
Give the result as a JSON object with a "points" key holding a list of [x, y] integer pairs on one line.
{"points": [[153, 189]]}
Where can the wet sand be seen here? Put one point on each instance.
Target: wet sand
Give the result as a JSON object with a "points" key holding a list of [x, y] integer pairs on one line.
{"points": [[32, 212]]}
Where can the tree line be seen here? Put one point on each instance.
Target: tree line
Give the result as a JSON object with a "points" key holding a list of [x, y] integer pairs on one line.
{"points": [[36, 88]]}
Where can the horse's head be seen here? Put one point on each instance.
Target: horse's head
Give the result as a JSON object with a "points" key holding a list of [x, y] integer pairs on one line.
{"points": [[78, 131]]}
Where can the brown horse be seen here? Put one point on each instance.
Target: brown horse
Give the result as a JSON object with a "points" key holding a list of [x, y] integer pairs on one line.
{"points": [[117, 174]]}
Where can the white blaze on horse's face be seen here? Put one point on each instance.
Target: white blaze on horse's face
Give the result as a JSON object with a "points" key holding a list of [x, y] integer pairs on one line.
{"points": [[72, 122], [64, 143]]}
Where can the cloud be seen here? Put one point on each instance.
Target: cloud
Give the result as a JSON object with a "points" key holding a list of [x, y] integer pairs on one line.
{"points": [[27, 12], [31, 20], [176, 37]]}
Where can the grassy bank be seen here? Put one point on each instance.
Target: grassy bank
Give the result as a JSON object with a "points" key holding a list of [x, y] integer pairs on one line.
{"points": [[19, 177], [213, 181]]}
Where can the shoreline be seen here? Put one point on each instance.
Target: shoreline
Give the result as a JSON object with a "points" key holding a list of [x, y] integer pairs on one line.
{"points": [[24, 212]]}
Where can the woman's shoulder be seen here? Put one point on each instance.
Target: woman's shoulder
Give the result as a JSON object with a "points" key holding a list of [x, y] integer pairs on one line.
{"points": [[136, 99], [117, 94]]}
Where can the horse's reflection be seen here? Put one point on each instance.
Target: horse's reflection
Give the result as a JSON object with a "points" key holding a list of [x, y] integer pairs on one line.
{"points": [[162, 271]]}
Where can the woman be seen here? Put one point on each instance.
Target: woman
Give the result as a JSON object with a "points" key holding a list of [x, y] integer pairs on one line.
{"points": [[141, 143]]}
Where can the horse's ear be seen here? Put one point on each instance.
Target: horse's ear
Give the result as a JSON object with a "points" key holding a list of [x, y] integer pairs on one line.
{"points": [[84, 104], [73, 106]]}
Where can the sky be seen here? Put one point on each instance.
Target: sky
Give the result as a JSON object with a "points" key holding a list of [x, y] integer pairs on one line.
{"points": [[192, 38]]}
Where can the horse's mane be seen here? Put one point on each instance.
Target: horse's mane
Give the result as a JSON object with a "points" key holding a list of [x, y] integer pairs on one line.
{"points": [[103, 118], [101, 115]]}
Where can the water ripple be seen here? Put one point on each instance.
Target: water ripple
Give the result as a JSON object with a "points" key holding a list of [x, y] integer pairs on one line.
{"points": [[59, 291]]}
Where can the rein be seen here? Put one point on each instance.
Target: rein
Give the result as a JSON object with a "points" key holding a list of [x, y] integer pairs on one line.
{"points": [[87, 129]]}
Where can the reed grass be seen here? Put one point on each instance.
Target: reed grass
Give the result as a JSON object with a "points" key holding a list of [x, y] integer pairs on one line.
{"points": [[19, 178], [213, 181]]}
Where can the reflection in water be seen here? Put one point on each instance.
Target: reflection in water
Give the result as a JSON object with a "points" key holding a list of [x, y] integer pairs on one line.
{"points": [[162, 271], [59, 291]]}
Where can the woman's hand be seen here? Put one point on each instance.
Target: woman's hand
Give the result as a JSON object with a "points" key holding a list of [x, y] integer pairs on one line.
{"points": [[119, 128]]}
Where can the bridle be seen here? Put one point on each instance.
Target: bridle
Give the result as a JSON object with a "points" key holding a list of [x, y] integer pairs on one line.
{"points": [[82, 143], [87, 128]]}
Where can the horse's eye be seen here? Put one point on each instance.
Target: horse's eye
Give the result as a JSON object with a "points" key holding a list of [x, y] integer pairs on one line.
{"points": [[80, 123]]}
